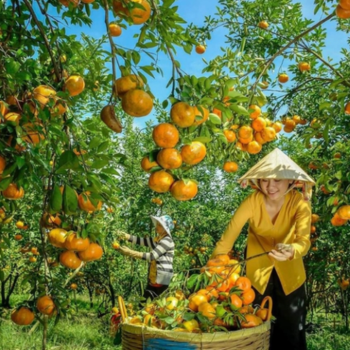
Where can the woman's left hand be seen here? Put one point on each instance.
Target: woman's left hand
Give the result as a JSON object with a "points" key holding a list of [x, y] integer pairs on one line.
{"points": [[282, 252]]}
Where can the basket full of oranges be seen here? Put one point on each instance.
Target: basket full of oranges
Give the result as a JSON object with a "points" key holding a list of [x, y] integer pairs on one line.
{"points": [[214, 310]]}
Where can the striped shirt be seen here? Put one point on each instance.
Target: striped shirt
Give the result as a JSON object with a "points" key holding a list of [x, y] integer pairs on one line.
{"points": [[162, 253]]}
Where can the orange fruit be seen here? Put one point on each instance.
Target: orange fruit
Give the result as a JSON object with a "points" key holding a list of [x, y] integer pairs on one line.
{"points": [[248, 296], [23, 316], [258, 123], [86, 205], [344, 212], [230, 167], [45, 305], [13, 117], [75, 85], [314, 218], [304, 66], [268, 134], [93, 252], [200, 49], [277, 126], [2, 164], [72, 242], [182, 114], [184, 190], [165, 135], [283, 78], [160, 181], [3, 109], [169, 158], [236, 301], [342, 12], [263, 25], [42, 94], [245, 141], [251, 321], [147, 165], [69, 259], [126, 83], [203, 113], [245, 132], [254, 147], [230, 135], [114, 29], [137, 103], [337, 220], [345, 4], [196, 300], [207, 310], [12, 192], [57, 237], [193, 153], [243, 283], [256, 111]]}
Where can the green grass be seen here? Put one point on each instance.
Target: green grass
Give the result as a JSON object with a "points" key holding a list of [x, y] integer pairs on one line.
{"points": [[84, 331]]}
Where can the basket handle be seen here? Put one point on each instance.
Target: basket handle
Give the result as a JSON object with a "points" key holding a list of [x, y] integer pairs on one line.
{"points": [[269, 312], [122, 308]]}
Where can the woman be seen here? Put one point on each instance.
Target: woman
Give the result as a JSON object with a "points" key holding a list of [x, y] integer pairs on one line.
{"points": [[160, 258], [279, 224]]}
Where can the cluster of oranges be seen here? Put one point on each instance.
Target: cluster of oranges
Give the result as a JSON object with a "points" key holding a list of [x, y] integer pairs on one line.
{"points": [[166, 136], [341, 216], [250, 138], [138, 14], [291, 122], [343, 9], [225, 301]]}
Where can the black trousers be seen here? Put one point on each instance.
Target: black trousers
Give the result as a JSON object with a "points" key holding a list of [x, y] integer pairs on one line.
{"points": [[288, 330], [153, 292]]}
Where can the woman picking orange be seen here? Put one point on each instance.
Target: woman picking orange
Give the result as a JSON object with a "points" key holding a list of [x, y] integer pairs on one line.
{"points": [[279, 220]]}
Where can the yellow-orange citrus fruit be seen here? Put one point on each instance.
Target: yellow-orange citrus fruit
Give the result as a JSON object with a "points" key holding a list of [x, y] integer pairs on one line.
{"points": [[33, 133], [72, 242], [57, 237], [193, 153], [345, 4], [182, 114], [254, 147], [200, 49], [75, 85], [3, 108], [184, 190], [42, 94], [283, 78], [147, 165], [268, 134], [160, 181], [201, 112], [93, 252], [344, 212], [13, 117], [259, 124], [256, 111], [137, 103], [230, 135], [263, 25], [2, 164], [337, 220], [169, 158], [69, 259], [165, 135], [45, 305], [304, 66], [114, 29], [128, 82], [342, 12], [230, 167], [245, 132], [85, 203], [277, 126], [12, 192], [23, 316]]}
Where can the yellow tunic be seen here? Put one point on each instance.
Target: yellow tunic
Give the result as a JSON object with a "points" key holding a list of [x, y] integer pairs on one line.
{"points": [[292, 226]]}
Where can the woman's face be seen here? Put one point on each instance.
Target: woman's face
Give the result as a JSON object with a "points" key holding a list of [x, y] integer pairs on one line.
{"points": [[274, 189], [159, 229]]}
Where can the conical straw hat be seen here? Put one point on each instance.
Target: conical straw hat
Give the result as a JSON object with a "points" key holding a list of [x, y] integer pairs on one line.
{"points": [[277, 165]]}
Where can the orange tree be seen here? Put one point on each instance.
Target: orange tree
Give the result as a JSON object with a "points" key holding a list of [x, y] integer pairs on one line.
{"points": [[58, 157]]}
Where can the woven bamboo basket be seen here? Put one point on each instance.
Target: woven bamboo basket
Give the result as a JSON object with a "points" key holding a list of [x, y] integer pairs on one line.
{"points": [[139, 337]]}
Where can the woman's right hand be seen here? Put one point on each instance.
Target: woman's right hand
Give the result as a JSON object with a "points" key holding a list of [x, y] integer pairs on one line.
{"points": [[123, 235]]}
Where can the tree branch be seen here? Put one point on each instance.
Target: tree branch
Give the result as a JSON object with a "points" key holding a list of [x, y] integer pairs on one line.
{"points": [[30, 8]]}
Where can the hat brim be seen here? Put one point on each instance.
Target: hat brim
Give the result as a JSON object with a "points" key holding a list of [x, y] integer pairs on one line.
{"points": [[157, 219]]}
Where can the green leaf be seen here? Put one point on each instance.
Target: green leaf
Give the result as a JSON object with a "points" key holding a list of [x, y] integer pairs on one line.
{"points": [[239, 109], [11, 66], [67, 160], [70, 200], [213, 118], [202, 139], [56, 199], [4, 183], [95, 142], [103, 146], [100, 163], [192, 281]]}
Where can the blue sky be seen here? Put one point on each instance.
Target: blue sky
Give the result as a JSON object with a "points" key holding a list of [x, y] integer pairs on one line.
{"points": [[195, 11]]}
